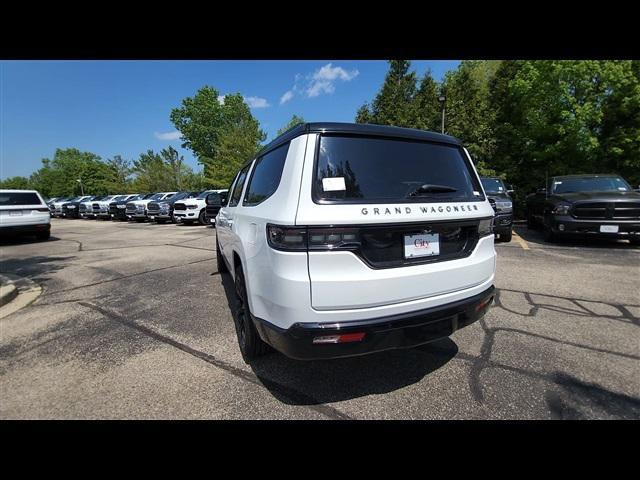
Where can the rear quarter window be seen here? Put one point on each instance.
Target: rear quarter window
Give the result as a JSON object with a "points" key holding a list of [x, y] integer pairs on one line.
{"points": [[19, 198], [237, 190], [358, 169], [266, 176]]}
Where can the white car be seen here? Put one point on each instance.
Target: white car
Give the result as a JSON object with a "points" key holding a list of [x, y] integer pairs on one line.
{"points": [[100, 207], [56, 205], [347, 239], [24, 212], [191, 210], [137, 209]]}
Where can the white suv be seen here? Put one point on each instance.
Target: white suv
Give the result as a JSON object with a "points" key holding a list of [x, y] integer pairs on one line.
{"points": [[24, 212], [346, 239]]}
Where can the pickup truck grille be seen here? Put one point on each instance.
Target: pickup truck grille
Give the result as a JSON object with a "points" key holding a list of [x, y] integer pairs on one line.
{"points": [[82, 208], [153, 207], [133, 208], [96, 207], [607, 211], [179, 206], [113, 208]]}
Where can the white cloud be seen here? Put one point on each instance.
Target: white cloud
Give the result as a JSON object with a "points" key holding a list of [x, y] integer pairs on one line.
{"points": [[288, 95], [321, 81], [329, 72], [256, 102], [221, 99], [175, 135]]}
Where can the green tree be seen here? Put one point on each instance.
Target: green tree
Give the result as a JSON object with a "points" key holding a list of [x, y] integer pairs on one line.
{"points": [[221, 134], [58, 176], [120, 173], [394, 104], [16, 183], [427, 107], [295, 120], [469, 115]]}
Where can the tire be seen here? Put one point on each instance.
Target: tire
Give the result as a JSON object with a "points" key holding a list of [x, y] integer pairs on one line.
{"points": [[201, 218], [43, 235], [249, 341], [222, 266], [549, 236], [506, 237]]}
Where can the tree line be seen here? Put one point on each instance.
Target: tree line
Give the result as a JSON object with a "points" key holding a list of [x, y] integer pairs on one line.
{"points": [[524, 120]]}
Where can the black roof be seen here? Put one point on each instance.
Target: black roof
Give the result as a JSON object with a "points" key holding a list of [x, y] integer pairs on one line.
{"points": [[358, 129]]}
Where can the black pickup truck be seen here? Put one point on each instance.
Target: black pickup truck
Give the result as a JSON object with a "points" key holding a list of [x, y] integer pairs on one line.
{"points": [[117, 208], [215, 201], [586, 205], [499, 196]]}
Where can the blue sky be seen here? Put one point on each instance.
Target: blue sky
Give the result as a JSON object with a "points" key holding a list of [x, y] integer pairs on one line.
{"points": [[122, 107]]}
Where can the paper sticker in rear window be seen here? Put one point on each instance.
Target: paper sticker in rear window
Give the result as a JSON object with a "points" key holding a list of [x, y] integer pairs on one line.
{"points": [[333, 184]]}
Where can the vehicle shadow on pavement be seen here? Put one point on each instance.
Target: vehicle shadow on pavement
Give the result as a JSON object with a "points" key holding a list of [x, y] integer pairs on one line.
{"points": [[536, 237], [10, 240], [296, 382], [328, 381], [578, 397], [36, 267]]}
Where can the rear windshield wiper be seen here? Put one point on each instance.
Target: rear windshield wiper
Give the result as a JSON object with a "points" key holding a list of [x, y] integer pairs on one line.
{"points": [[431, 188]]}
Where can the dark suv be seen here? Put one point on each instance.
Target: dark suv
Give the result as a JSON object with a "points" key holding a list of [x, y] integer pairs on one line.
{"points": [[215, 201], [499, 197], [593, 205], [161, 211]]}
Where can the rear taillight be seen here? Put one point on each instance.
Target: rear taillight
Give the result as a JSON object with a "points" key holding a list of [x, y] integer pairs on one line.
{"points": [[287, 238], [485, 227], [333, 238], [300, 238]]}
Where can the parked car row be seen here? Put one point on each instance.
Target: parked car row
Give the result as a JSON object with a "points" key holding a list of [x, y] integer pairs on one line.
{"points": [[161, 207]]}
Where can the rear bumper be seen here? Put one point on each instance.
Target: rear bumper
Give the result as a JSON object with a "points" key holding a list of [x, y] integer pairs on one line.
{"points": [[567, 225], [25, 229], [386, 333]]}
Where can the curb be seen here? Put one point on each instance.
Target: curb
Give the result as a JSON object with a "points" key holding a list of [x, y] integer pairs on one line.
{"points": [[16, 292], [8, 290]]}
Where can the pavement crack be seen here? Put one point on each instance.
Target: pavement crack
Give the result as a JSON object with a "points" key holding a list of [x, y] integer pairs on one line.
{"points": [[130, 276], [286, 391]]}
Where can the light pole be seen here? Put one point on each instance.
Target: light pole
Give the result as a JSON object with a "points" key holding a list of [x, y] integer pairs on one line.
{"points": [[81, 187], [442, 99]]}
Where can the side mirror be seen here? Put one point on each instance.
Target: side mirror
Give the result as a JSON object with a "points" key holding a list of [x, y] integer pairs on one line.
{"points": [[214, 199], [510, 189]]}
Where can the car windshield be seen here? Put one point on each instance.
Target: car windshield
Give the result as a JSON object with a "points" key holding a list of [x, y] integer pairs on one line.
{"points": [[380, 170], [493, 185], [590, 184], [203, 195], [155, 196]]}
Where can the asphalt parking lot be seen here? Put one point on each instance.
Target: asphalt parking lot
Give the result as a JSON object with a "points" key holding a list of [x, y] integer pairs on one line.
{"points": [[134, 322]]}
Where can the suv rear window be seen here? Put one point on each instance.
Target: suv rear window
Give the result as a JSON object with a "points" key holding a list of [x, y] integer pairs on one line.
{"points": [[19, 198], [357, 169]]}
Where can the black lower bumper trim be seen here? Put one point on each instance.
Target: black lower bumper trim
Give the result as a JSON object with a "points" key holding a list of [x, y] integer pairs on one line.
{"points": [[26, 229], [386, 333]]}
